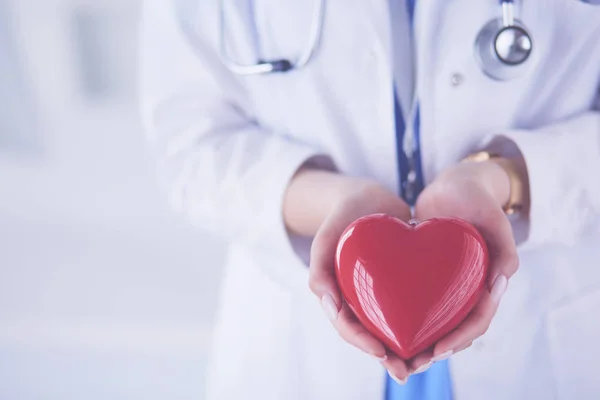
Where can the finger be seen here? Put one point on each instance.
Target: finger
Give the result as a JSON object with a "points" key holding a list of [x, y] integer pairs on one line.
{"points": [[504, 259], [322, 280], [421, 362], [397, 368], [353, 332], [475, 325], [497, 231]]}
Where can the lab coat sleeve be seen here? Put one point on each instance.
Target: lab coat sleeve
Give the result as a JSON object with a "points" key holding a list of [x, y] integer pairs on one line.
{"points": [[222, 169], [563, 164]]}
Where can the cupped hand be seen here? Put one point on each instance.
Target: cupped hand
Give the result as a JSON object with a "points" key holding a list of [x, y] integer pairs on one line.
{"points": [[358, 199], [474, 192]]}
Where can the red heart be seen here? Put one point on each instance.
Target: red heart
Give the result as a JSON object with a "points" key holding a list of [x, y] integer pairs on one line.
{"points": [[410, 285]]}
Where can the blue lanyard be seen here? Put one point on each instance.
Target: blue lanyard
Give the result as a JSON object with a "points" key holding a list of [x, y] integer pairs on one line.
{"points": [[410, 171]]}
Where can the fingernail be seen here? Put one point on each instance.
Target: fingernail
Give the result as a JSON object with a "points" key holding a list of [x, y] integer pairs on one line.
{"points": [[329, 307], [398, 380], [380, 359], [423, 368], [500, 285], [443, 356]]}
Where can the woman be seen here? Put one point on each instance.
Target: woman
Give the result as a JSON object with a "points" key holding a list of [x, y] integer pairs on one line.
{"points": [[280, 164]]}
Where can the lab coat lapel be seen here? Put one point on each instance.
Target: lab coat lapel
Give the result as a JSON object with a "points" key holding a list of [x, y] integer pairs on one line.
{"points": [[378, 129], [403, 54], [426, 25]]}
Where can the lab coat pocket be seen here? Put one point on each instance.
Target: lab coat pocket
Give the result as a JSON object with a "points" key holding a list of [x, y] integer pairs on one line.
{"points": [[574, 329]]}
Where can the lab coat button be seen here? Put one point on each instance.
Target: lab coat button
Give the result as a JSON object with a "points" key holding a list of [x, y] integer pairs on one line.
{"points": [[457, 79]]}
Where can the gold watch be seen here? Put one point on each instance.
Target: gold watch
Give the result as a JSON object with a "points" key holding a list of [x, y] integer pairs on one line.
{"points": [[514, 204]]}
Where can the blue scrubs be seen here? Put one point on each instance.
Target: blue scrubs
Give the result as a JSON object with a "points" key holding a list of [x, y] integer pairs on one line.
{"points": [[435, 383]]}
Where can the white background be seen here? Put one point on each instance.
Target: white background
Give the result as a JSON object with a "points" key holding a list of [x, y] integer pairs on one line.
{"points": [[104, 294]]}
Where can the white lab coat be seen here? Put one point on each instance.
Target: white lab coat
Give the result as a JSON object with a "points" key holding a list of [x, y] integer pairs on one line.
{"points": [[228, 146]]}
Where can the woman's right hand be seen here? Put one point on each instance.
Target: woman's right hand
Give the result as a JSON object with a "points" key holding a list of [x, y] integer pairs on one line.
{"points": [[337, 201]]}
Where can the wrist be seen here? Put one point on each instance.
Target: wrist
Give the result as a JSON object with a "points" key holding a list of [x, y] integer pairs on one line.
{"points": [[495, 179], [313, 194], [485, 175], [505, 178]]}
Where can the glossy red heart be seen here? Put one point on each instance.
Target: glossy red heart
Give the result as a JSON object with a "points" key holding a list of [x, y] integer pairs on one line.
{"points": [[410, 285]]}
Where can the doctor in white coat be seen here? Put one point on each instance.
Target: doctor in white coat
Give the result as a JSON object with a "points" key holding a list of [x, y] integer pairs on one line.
{"points": [[278, 162]]}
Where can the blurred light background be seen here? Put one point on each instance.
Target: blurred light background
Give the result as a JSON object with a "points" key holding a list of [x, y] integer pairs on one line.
{"points": [[104, 294]]}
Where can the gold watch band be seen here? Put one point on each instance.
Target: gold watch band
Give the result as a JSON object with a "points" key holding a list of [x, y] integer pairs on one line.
{"points": [[515, 200]]}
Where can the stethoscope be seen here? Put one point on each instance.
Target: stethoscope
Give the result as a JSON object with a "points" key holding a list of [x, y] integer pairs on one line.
{"points": [[502, 47]]}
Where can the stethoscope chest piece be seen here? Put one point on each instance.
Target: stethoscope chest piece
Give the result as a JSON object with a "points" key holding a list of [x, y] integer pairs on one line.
{"points": [[504, 45], [502, 50], [513, 45]]}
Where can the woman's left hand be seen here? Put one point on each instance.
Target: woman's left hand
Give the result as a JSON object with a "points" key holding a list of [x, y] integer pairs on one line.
{"points": [[476, 193]]}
